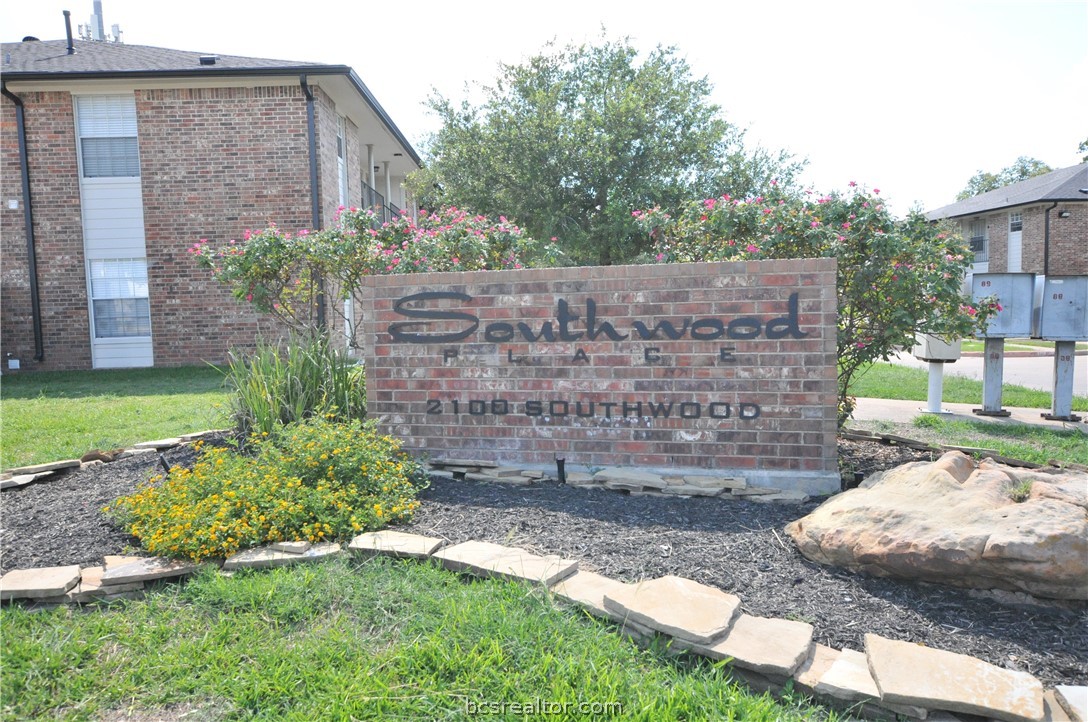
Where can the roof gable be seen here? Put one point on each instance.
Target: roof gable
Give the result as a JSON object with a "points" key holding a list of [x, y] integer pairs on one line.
{"points": [[1064, 184]]}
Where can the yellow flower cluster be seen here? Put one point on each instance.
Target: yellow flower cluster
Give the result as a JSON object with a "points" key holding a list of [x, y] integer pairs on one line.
{"points": [[315, 481]]}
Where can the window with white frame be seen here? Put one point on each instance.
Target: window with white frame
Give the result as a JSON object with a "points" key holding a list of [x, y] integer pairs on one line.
{"points": [[342, 158], [1016, 222], [107, 136], [119, 298], [977, 239]]}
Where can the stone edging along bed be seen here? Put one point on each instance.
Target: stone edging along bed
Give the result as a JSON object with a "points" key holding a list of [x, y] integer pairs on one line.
{"points": [[844, 677], [889, 678]]}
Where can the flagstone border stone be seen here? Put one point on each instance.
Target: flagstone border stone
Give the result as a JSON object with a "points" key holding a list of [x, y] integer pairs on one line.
{"points": [[267, 556], [494, 560], [912, 674], [1073, 700], [41, 583], [707, 615], [834, 676], [395, 544], [768, 646]]}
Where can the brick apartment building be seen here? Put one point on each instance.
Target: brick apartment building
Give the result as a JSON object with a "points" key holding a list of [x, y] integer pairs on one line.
{"points": [[116, 158], [1039, 225]]}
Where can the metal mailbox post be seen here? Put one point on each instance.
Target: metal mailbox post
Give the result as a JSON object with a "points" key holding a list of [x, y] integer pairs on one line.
{"points": [[1063, 319], [1015, 292], [937, 352]]}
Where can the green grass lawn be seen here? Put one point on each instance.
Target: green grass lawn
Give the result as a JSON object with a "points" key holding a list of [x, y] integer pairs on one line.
{"points": [[1027, 442], [48, 416], [892, 381], [348, 640], [1039, 444], [1017, 344]]}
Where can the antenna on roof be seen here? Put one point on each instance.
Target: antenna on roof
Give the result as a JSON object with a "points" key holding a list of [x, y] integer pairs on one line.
{"points": [[98, 28], [95, 29]]}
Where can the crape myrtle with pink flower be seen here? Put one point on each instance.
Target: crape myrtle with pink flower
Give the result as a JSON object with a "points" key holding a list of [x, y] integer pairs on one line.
{"points": [[284, 273], [896, 278]]}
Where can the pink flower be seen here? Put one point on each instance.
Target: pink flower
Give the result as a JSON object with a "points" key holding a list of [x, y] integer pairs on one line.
{"points": [[752, 248], [846, 225], [852, 184], [456, 261], [876, 191], [249, 296], [660, 257], [815, 224], [709, 204]]}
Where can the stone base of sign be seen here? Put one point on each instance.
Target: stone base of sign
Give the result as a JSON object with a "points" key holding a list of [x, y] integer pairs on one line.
{"points": [[752, 486]]}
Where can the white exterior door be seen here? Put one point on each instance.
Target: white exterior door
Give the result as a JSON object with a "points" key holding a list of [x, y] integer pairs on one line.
{"points": [[113, 231], [1016, 243]]}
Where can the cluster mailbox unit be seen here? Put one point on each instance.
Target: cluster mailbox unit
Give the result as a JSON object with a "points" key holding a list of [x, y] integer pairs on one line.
{"points": [[1062, 317]]}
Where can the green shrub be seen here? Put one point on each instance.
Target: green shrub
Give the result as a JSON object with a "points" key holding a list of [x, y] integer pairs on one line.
{"points": [[317, 480], [283, 383]]}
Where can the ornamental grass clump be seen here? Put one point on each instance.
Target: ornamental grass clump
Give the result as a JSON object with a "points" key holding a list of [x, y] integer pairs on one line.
{"points": [[279, 384], [317, 480]]}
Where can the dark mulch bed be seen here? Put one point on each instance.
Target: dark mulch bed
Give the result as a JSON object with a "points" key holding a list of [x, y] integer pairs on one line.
{"points": [[735, 545]]}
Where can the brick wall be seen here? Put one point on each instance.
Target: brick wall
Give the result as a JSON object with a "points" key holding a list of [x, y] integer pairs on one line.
{"points": [[997, 231], [214, 162], [1068, 239], [58, 231], [763, 406]]}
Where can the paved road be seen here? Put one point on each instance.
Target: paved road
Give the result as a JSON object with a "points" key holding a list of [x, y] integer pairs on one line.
{"points": [[1034, 372]]}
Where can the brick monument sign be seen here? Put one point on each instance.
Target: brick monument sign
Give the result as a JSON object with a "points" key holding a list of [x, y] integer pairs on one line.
{"points": [[727, 367]]}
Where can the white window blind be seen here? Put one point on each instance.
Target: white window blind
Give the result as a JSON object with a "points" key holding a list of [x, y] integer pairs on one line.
{"points": [[107, 136], [119, 298]]}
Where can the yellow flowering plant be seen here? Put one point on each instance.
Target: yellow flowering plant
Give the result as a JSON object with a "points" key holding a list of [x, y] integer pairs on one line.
{"points": [[317, 480]]}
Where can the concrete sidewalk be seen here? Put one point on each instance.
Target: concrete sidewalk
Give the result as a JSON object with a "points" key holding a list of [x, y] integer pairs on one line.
{"points": [[904, 412]]}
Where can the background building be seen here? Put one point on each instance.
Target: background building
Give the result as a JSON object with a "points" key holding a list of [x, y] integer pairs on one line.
{"points": [[117, 158]]}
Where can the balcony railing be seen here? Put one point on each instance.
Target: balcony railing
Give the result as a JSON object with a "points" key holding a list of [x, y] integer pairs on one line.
{"points": [[385, 212]]}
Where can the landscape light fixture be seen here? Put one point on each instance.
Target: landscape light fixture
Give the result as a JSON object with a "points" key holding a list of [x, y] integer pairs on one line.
{"points": [[1064, 214]]}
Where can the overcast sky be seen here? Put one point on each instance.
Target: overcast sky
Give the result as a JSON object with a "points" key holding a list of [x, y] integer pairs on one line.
{"points": [[909, 97]]}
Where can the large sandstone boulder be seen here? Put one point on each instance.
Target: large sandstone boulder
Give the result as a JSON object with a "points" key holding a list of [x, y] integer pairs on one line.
{"points": [[956, 523]]}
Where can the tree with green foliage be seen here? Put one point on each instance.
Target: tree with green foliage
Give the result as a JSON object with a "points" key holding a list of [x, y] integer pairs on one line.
{"points": [[570, 141], [1083, 148], [895, 278], [1022, 169]]}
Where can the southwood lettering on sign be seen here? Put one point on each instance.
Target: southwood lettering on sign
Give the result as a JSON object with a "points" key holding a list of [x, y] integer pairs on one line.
{"points": [[700, 329], [727, 366]]}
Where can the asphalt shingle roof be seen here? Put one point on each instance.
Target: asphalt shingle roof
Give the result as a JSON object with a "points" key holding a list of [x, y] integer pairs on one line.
{"points": [[51, 56], [1063, 184], [37, 60]]}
